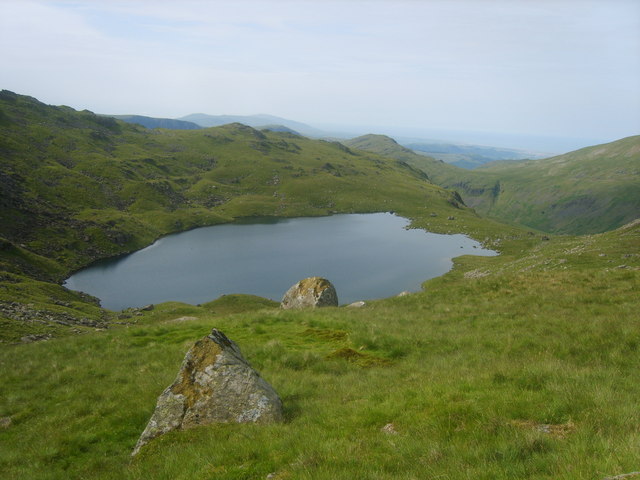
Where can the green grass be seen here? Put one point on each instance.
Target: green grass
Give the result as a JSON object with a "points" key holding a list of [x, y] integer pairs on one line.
{"points": [[520, 366], [591, 190], [527, 371]]}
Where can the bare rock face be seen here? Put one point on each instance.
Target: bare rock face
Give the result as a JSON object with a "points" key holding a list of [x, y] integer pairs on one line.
{"points": [[310, 292], [215, 385]]}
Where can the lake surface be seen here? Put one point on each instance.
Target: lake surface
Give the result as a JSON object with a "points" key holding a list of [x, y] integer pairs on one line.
{"points": [[365, 256]]}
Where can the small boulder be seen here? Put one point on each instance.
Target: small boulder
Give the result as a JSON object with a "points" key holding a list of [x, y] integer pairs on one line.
{"points": [[215, 385], [389, 429], [359, 304], [310, 292]]}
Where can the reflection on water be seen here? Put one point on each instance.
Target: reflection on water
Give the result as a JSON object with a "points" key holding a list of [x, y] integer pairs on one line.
{"points": [[365, 256]]}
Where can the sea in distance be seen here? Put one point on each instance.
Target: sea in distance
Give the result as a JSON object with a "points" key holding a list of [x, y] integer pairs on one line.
{"points": [[366, 256]]}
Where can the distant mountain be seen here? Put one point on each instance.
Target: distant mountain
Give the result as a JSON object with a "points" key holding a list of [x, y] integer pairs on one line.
{"points": [[471, 156], [152, 122], [255, 121], [279, 128], [460, 155], [591, 190]]}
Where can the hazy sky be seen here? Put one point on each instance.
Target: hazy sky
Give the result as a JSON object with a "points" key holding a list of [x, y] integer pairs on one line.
{"points": [[566, 68]]}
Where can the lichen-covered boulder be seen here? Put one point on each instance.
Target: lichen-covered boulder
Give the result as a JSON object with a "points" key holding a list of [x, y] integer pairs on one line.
{"points": [[215, 385], [310, 292]]}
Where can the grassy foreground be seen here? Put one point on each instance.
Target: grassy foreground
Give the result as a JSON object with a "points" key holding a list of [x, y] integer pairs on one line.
{"points": [[512, 367]]}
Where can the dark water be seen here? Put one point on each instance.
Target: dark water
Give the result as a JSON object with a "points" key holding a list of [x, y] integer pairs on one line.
{"points": [[364, 256]]}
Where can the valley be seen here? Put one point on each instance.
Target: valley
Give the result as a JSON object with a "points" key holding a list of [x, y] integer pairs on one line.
{"points": [[516, 366], [591, 190]]}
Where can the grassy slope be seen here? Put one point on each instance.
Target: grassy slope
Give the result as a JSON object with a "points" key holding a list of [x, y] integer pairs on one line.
{"points": [[591, 190], [76, 187], [510, 367], [517, 366]]}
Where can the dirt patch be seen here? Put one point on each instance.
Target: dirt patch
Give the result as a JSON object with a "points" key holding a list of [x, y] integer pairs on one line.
{"points": [[558, 430], [361, 359], [476, 273], [326, 334], [182, 319]]}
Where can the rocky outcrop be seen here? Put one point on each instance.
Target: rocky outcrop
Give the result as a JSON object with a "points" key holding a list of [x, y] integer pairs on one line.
{"points": [[28, 313], [215, 385], [310, 292]]}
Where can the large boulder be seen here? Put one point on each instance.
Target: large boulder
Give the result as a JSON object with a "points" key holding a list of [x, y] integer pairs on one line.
{"points": [[215, 385], [310, 292]]}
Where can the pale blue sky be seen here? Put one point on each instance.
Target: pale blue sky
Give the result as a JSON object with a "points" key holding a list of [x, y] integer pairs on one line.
{"points": [[565, 68]]}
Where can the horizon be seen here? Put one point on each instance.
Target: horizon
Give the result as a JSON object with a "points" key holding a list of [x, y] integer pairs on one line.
{"points": [[563, 73], [536, 145]]}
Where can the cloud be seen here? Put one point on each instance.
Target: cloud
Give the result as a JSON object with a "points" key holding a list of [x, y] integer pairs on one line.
{"points": [[562, 66]]}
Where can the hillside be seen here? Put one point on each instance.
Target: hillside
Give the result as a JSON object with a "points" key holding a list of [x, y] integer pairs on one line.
{"points": [[152, 122], [383, 145], [77, 187], [591, 190], [279, 128]]}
